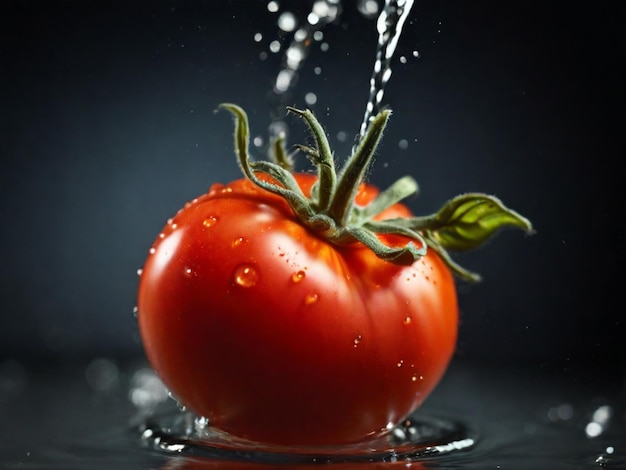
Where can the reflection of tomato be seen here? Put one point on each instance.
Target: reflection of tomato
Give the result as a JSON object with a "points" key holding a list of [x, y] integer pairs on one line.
{"points": [[276, 335], [305, 310], [183, 463]]}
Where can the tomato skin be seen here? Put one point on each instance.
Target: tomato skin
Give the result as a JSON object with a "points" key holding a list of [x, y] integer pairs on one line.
{"points": [[277, 336]]}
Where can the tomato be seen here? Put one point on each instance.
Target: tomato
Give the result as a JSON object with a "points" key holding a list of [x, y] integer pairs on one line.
{"points": [[304, 310], [276, 335]]}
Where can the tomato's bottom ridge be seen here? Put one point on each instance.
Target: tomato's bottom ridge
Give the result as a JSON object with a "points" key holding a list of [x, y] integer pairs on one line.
{"points": [[417, 438]]}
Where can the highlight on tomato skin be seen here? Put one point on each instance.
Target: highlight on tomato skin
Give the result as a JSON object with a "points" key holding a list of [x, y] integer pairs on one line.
{"points": [[307, 309]]}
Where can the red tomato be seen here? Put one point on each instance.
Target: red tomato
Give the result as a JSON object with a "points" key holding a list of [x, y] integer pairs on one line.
{"points": [[276, 335]]}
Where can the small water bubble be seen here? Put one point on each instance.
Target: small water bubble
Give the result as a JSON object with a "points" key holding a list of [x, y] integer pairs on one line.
{"points": [[210, 221], [152, 251], [294, 56], [310, 98], [272, 6], [139, 272], [311, 299], [258, 37], [318, 35], [135, 311], [416, 54], [593, 429], [237, 242], [246, 275], [368, 8], [284, 80], [298, 276], [403, 59], [161, 235], [287, 21], [407, 320], [275, 46], [324, 47], [257, 141], [400, 362], [300, 36], [189, 272], [415, 377], [146, 390], [357, 340], [562, 412], [317, 70]]}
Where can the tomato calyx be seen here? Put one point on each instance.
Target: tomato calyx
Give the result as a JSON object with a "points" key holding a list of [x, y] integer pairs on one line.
{"points": [[463, 223]]}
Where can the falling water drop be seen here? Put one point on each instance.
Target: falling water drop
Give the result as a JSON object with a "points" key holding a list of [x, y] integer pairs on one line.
{"points": [[246, 275]]}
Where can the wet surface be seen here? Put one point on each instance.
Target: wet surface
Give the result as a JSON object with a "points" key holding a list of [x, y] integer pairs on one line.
{"points": [[90, 416]]}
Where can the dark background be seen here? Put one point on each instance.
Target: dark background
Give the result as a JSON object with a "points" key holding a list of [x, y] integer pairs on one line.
{"points": [[107, 128]]}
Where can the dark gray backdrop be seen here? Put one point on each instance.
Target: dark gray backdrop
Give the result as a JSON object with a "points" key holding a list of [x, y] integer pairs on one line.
{"points": [[107, 128]]}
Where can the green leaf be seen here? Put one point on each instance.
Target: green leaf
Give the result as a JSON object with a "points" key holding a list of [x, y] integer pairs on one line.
{"points": [[469, 220]]}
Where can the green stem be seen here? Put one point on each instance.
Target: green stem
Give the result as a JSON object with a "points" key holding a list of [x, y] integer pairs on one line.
{"points": [[464, 222], [322, 157], [355, 170]]}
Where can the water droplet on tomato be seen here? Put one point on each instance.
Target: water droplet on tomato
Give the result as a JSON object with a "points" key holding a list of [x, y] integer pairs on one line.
{"points": [[407, 320], [152, 250], [357, 340], [238, 242], [135, 311], [298, 276], [415, 377], [246, 275], [210, 221], [188, 272], [215, 187], [139, 272], [400, 362], [310, 299]]}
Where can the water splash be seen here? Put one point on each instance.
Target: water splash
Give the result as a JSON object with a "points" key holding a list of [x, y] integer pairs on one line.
{"points": [[389, 25]]}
